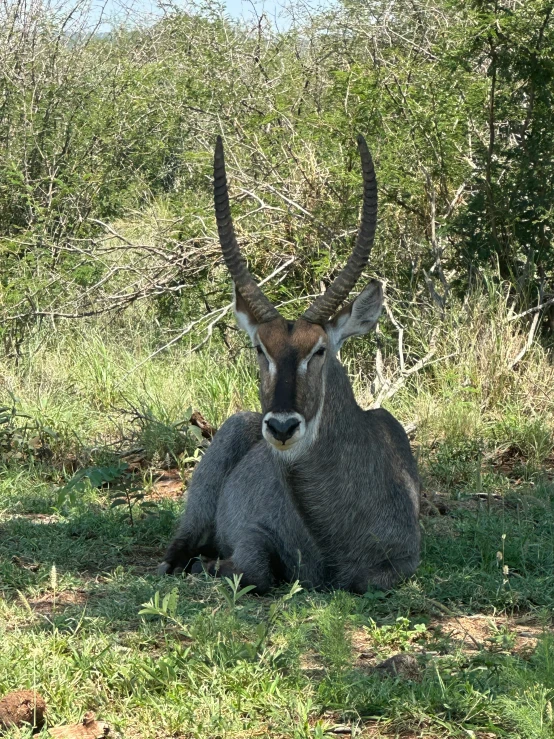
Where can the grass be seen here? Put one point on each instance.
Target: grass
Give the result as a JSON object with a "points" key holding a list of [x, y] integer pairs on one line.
{"points": [[86, 622], [73, 587]]}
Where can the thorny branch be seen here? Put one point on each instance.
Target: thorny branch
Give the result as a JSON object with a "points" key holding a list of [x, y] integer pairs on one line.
{"points": [[215, 315]]}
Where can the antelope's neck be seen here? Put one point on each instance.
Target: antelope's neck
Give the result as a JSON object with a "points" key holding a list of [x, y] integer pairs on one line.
{"points": [[313, 473]]}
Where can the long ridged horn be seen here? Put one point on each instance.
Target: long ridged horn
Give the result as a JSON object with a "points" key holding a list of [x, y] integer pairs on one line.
{"points": [[327, 304], [261, 307]]}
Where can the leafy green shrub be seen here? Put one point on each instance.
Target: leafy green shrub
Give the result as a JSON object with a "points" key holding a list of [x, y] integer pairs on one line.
{"points": [[23, 438]]}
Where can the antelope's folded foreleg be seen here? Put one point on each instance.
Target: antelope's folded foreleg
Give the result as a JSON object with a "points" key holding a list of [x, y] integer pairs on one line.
{"points": [[196, 534]]}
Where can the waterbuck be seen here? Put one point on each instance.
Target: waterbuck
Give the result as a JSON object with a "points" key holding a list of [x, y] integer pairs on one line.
{"points": [[312, 488]]}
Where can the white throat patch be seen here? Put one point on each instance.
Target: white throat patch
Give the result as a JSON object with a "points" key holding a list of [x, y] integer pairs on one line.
{"points": [[296, 445]]}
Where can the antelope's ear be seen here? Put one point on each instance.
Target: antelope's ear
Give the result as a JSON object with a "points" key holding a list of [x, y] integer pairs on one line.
{"points": [[359, 316], [243, 315]]}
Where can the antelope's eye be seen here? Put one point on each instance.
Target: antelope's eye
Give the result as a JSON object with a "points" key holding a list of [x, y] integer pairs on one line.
{"points": [[320, 352]]}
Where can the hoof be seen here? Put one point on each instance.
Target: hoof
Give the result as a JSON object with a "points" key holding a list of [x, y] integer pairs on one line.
{"points": [[163, 568], [197, 568]]}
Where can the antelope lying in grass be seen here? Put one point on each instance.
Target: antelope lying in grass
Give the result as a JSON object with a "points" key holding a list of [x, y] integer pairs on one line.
{"points": [[313, 488]]}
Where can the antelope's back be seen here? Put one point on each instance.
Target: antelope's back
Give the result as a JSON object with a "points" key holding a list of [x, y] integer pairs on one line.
{"points": [[396, 458]]}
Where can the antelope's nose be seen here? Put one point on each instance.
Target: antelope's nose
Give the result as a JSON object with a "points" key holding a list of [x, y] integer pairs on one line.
{"points": [[282, 430]]}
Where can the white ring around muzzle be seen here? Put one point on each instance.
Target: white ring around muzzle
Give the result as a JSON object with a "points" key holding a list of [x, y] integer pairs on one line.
{"points": [[299, 432]]}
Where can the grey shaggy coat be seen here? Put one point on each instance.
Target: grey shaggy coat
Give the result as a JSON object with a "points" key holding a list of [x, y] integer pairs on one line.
{"points": [[341, 513]]}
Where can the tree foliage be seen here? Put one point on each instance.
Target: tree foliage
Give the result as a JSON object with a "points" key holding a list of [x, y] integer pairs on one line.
{"points": [[100, 129]]}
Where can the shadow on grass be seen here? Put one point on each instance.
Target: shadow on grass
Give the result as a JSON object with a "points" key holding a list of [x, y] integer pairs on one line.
{"points": [[91, 551], [96, 552], [86, 612]]}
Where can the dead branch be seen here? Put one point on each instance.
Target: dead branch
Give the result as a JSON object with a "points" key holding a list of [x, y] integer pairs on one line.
{"points": [[400, 330], [528, 343], [388, 387], [217, 315], [536, 309]]}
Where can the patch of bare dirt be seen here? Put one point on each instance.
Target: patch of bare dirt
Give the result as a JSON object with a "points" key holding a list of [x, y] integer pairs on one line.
{"points": [[365, 651], [470, 634], [39, 518], [168, 484], [496, 633], [49, 603], [337, 726], [311, 664]]}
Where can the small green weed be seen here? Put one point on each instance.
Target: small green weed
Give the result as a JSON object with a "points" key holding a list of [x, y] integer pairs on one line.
{"points": [[90, 477], [131, 494], [398, 635]]}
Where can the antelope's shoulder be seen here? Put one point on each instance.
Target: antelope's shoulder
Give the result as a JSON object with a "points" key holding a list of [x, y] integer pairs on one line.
{"points": [[382, 421]]}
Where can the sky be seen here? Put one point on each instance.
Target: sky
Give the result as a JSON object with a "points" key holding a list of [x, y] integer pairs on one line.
{"points": [[236, 8], [136, 8]]}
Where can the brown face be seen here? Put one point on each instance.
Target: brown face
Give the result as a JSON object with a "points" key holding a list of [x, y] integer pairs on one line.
{"points": [[291, 357]]}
